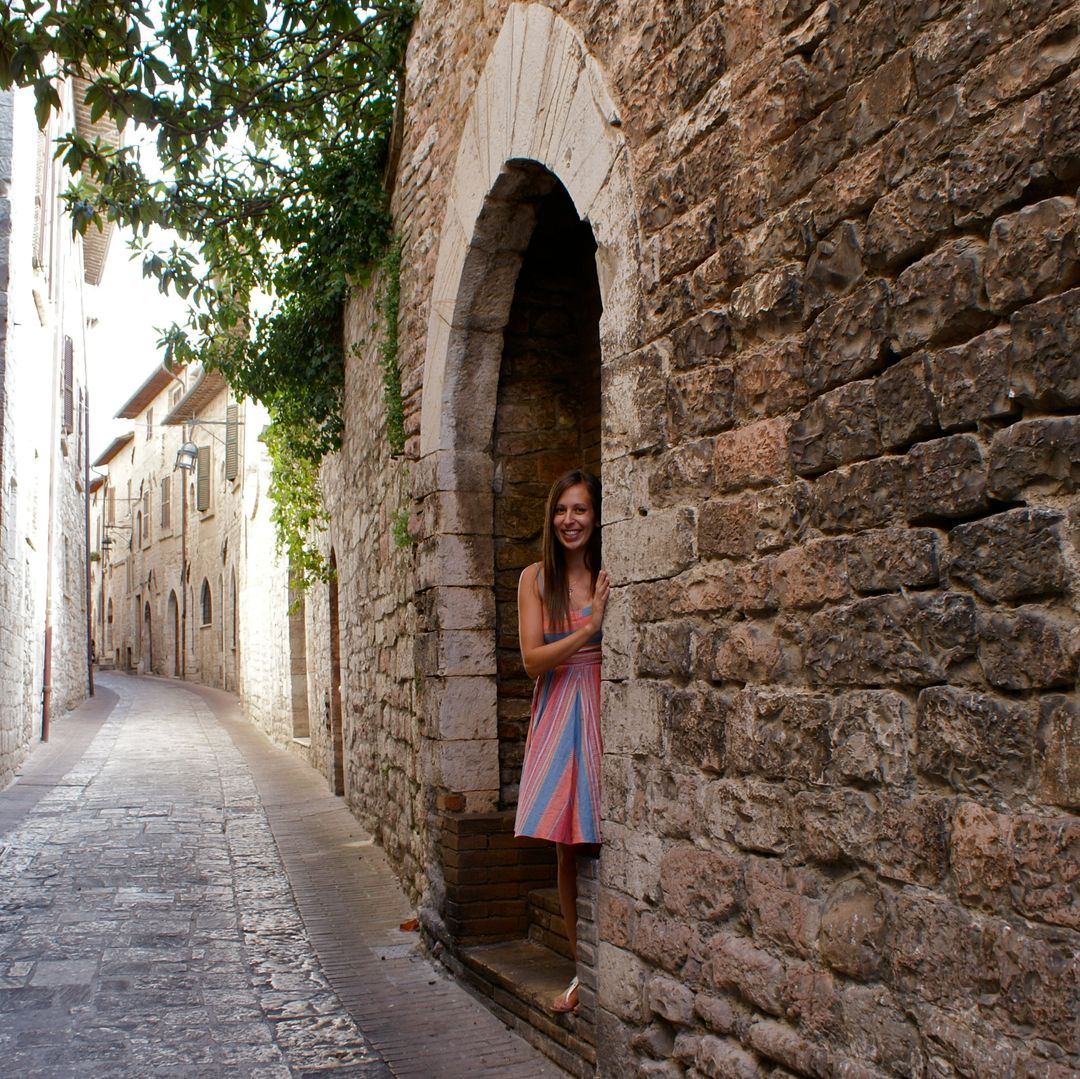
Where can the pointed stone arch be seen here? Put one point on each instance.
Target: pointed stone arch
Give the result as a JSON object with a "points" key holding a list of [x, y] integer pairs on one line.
{"points": [[541, 110]]}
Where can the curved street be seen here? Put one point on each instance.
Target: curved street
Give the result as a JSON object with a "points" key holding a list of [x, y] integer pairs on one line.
{"points": [[178, 897]]}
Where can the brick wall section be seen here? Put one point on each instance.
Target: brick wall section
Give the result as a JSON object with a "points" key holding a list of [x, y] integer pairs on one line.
{"points": [[842, 762], [489, 874]]}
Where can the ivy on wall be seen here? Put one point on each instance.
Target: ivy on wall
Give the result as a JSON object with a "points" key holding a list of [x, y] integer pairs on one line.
{"points": [[270, 124]]}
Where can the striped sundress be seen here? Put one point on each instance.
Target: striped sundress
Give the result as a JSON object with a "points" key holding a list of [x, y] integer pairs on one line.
{"points": [[559, 796]]}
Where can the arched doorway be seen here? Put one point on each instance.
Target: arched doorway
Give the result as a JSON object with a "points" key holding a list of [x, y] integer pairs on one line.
{"points": [[547, 419], [172, 625], [147, 642], [538, 196], [336, 732]]}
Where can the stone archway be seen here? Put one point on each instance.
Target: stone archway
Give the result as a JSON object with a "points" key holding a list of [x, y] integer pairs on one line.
{"points": [[541, 99], [541, 119]]}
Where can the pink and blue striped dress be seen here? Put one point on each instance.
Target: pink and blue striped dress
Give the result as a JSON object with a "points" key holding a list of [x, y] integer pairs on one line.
{"points": [[559, 796]]}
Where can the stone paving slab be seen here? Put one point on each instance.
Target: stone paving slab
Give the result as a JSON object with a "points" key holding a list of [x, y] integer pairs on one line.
{"points": [[421, 1021], [149, 925]]}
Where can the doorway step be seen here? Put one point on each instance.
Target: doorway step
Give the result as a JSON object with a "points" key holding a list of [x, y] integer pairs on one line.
{"points": [[519, 979]]}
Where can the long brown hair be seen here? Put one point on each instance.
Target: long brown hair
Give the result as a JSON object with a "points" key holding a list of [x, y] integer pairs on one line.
{"points": [[556, 584]]}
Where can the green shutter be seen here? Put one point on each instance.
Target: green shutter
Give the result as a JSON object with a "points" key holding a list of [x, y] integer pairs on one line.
{"points": [[232, 442], [202, 489]]}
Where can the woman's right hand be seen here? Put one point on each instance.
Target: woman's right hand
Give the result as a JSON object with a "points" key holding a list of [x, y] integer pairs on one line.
{"points": [[599, 602]]}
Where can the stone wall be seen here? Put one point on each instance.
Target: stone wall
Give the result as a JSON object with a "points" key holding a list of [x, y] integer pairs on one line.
{"points": [[840, 452], [42, 438]]}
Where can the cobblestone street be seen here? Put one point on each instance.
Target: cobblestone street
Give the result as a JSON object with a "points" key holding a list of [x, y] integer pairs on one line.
{"points": [[148, 925]]}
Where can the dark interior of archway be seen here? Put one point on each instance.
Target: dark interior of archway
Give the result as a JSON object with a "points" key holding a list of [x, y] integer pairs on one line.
{"points": [[547, 420]]}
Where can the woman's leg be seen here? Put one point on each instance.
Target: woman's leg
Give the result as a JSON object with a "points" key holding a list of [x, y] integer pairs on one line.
{"points": [[567, 866], [566, 860]]}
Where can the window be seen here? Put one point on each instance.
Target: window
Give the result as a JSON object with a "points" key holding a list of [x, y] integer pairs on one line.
{"points": [[232, 441], [112, 506], [174, 397], [149, 424], [202, 479], [166, 502], [207, 603], [139, 528], [146, 517], [69, 386]]}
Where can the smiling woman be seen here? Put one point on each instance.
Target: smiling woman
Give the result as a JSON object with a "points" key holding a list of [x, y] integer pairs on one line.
{"points": [[561, 606]]}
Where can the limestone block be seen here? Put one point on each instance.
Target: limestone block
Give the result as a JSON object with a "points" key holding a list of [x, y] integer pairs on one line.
{"points": [[723, 1057], [977, 744], [699, 401], [868, 494], [620, 982], [455, 561], [1046, 868], [783, 905], [853, 929], [770, 379], [941, 296], [979, 855], [995, 168], [1010, 556], [1032, 253], [664, 650], [461, 707], [846, 340], [746, 652], [702, 341], [971, 381], [701, 885], [469, 765], [697, 720], [905, 404], [1032, 456], [1059, 750], [753, 456], [770, 301], [945, 478], [1045, 342], [633, 714], [812, 574], [881, 1033], [682, 474], [634, 402], [1028, 648], [891, 640], [619, 635], [839, 427], [453, 470], [870, 739], [890, 559], [670, 999], [651, 547], [736, 963], [456, 652], [455, 512], [908, 219], [779, 734], [755, 815]]}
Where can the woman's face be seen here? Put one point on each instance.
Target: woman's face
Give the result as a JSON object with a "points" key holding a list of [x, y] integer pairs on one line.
{"points": [[574, 518]]}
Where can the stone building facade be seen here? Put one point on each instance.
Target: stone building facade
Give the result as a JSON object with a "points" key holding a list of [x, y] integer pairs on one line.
{"points": [[44, 631], [186, 579], [802, 278]]}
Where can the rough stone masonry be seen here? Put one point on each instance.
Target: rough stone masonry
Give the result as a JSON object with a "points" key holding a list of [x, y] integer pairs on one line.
{"points": [[837, 253]]}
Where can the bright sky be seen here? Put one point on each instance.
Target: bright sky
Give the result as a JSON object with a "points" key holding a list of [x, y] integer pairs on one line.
{"points": [[122, 347]]}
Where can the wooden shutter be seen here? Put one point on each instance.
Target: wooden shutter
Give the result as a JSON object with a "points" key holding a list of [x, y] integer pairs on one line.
{"points": [[166, 502], [69, 386], [232, 442], [202, 488]]}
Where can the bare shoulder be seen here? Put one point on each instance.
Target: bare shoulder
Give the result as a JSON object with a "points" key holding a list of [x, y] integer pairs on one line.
{"points": [[531, 576]]}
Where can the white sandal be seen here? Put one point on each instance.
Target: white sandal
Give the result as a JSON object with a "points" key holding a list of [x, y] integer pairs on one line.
{"points": [[562, 1002]]}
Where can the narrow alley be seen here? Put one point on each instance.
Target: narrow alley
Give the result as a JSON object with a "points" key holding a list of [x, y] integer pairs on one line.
{"points": [[179, 897]]}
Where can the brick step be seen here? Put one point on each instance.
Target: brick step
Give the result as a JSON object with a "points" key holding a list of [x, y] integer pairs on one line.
{"points": [[546, 924], [519, 979]]}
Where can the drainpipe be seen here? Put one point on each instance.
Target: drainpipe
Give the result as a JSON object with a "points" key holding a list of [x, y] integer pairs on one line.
{"points": [[89, 580]]}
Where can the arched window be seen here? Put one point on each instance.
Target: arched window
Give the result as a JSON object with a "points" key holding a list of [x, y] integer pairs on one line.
{"points": [[207, 603]]}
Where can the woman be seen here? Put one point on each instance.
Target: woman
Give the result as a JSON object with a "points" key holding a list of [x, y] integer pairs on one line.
{"points": [[561, 603]]}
